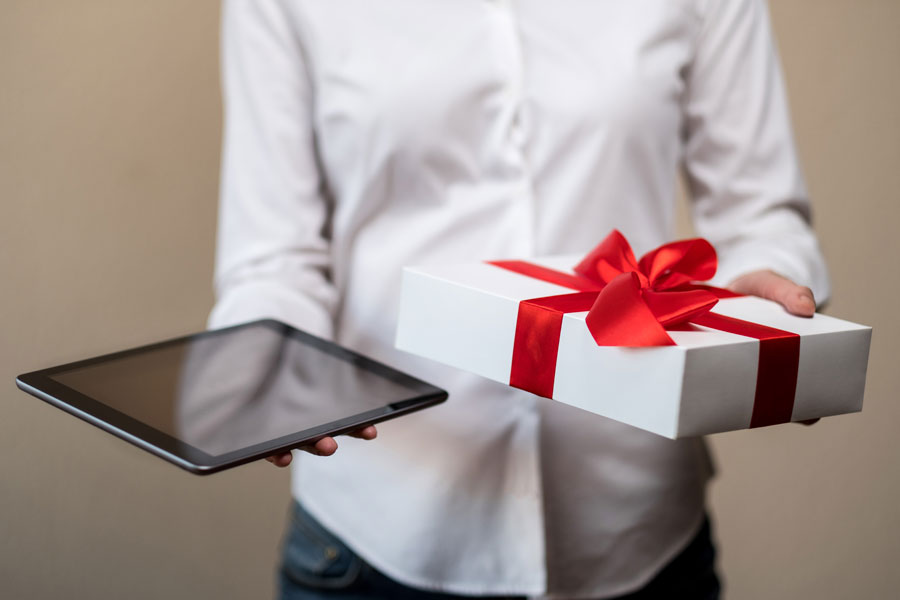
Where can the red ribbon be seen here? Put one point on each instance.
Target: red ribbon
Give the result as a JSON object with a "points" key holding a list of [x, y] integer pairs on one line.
{"points": [[631, 303]]}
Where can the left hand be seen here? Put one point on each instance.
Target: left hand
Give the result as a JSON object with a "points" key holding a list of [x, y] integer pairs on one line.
{"points": [[324, 447], [795, 299]]}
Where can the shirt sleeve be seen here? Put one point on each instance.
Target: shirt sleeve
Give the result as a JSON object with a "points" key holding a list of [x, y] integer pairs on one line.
{"points": [[748, 195], [272, 255]]}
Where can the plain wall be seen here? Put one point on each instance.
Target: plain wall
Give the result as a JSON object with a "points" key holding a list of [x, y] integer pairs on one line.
{"points": [[109, 148]]}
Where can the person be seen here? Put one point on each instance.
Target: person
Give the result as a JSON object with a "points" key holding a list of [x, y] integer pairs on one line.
{"points": [[364, 136]]}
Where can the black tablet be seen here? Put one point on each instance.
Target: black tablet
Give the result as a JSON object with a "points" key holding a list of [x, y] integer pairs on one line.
{"points": [[221, 398]]}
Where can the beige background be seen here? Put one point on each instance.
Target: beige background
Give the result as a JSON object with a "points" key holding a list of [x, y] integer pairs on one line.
{"points": [[109, 136]]}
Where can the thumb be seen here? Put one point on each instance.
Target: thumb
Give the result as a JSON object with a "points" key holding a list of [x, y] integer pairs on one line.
{"points": [[796, 299]]}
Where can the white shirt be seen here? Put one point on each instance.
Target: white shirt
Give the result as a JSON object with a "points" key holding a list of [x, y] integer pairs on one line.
{"points": [[364, 136]]}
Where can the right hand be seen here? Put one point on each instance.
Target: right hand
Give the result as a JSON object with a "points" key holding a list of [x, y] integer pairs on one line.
{"points": [[324, 447]]}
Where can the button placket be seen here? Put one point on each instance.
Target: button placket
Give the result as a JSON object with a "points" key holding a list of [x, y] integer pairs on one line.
{"points": [[516, 137]]}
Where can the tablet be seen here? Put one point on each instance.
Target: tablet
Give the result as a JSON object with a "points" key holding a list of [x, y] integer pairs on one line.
{"points": [[221, 398]]}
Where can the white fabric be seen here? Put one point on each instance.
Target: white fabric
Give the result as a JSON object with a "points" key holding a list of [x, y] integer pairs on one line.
{"points": [[363, 136]]}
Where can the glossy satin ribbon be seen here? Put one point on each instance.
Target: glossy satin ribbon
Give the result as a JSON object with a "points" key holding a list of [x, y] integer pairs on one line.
{"points": [[630, 303]]}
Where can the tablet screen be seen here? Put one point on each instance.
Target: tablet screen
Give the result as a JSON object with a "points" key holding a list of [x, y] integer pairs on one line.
{"points": [[248, 385]]}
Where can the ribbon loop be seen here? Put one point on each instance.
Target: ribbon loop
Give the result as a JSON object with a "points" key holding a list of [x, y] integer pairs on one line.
{"points": [[678, 263], [612, 257]]}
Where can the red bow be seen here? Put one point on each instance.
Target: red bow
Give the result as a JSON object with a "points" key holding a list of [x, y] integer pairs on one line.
{"points": [[639, 299]]}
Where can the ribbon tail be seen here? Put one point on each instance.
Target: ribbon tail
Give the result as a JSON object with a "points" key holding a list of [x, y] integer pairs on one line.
{"points": [[621, 317], [673, 308]]}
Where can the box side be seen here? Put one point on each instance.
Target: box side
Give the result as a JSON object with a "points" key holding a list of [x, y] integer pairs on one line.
{"points": [[832, 373], [719, 385], [636, 386], [456, 325], [833, 356]]}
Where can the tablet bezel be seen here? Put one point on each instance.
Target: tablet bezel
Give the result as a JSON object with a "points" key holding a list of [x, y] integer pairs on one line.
{"points": [[40, 384]]}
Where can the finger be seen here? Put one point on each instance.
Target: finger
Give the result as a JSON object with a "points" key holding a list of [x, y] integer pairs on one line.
{"points": [[280, 460], [325, 447], [366, 433], [796, 299], [799, 300]]}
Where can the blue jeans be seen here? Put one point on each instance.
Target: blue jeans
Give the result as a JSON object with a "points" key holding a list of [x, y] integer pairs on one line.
{"points": [[317, 565]]}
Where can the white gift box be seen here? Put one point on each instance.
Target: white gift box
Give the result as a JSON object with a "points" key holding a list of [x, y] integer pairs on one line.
{"points": [[465, 316]]}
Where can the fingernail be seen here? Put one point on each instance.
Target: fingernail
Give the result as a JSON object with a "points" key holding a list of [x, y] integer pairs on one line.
{"points": [[805, 303]]}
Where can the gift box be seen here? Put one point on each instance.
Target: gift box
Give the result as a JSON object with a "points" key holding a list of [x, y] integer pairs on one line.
{"points": [[636, 341]]}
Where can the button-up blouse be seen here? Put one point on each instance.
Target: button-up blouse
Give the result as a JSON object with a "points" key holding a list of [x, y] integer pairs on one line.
{"points": [[365, 135]]}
